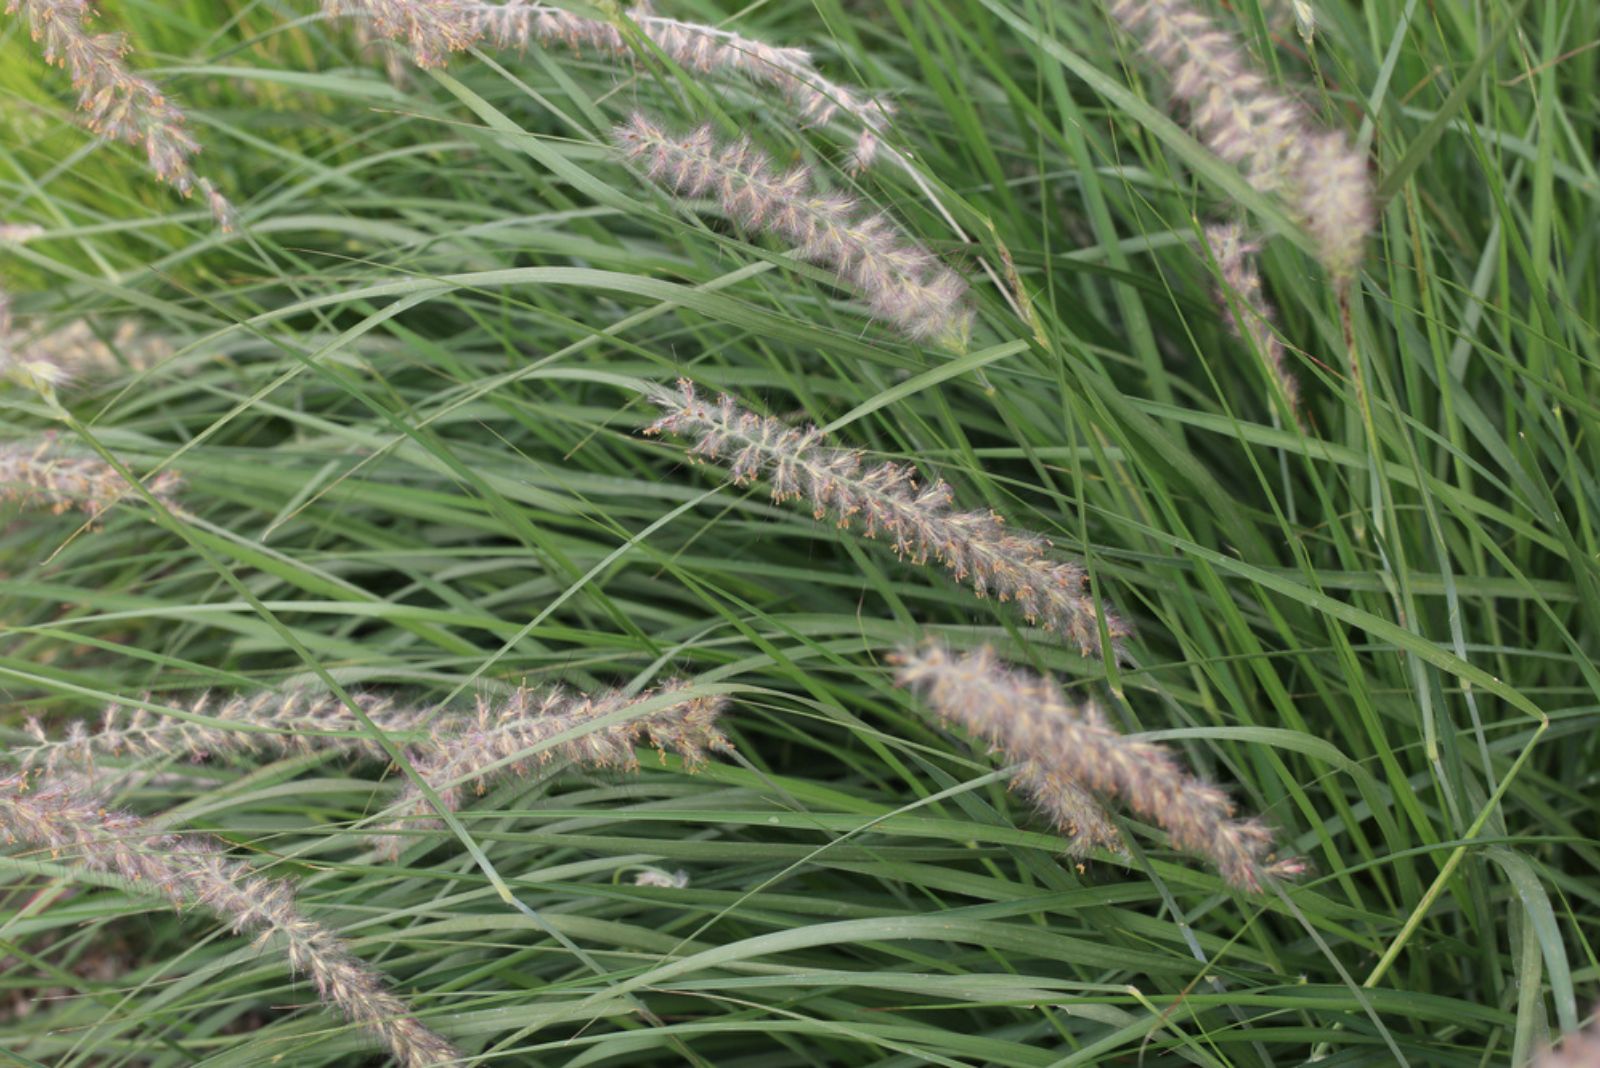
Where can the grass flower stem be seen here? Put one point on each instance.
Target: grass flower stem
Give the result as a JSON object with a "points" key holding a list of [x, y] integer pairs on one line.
{"points": [[70, 822]]}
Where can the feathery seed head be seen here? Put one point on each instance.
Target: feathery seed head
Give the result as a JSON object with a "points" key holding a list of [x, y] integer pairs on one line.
{"points": [[42, 472], [279, 724], [116, 103], [70, 821], [1245, 120], [902, 282], [1336, 201], [1057, 746], [516, 736], [918, 520], [76, 350], [432, 29]]}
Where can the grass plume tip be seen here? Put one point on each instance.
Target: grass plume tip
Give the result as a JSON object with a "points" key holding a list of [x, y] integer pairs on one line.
{"points": [[1244, 304]]}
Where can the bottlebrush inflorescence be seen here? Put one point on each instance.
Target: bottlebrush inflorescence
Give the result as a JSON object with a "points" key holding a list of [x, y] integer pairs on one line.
{"points": [[918, 520], [1060, 750]]}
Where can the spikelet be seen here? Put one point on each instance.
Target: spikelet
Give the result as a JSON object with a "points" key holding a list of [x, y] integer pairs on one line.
{"points": [[1241, 290], [117, 103], [902, 283], [66, 819], [1245, 120], [278, 724], [40, 472], [918, 520], [704, 50], [1027, 720], [515, 736]]}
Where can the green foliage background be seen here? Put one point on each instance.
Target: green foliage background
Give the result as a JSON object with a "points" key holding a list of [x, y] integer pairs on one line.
{"points": [[405, 402]]}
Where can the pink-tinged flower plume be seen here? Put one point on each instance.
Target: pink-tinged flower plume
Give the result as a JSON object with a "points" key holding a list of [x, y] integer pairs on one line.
{"points": [[276, 724], [432, 29], [69, 822], [1245, 120], [521, 732], [1245, 306], [902, 282], [117, 103], [1579, 1049], [41, 472], [918, 520], [1063, 749]]}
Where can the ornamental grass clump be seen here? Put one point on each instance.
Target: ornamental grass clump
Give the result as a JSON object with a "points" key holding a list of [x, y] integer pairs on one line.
{"points": [[1244, 305], [70, 823], [1270, 135], [529, 729], [116, 103], [42, 473], [903, 283], [1060, 749], [919, 520]]}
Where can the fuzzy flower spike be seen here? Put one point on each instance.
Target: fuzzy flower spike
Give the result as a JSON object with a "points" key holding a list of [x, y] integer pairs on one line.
{"points": [[41, 472], [919, 520], [902, 283], [433, 29], [117, 103], [1061, 748], [70, 823], [275, 724], [1272, 136], [520, 734]]}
